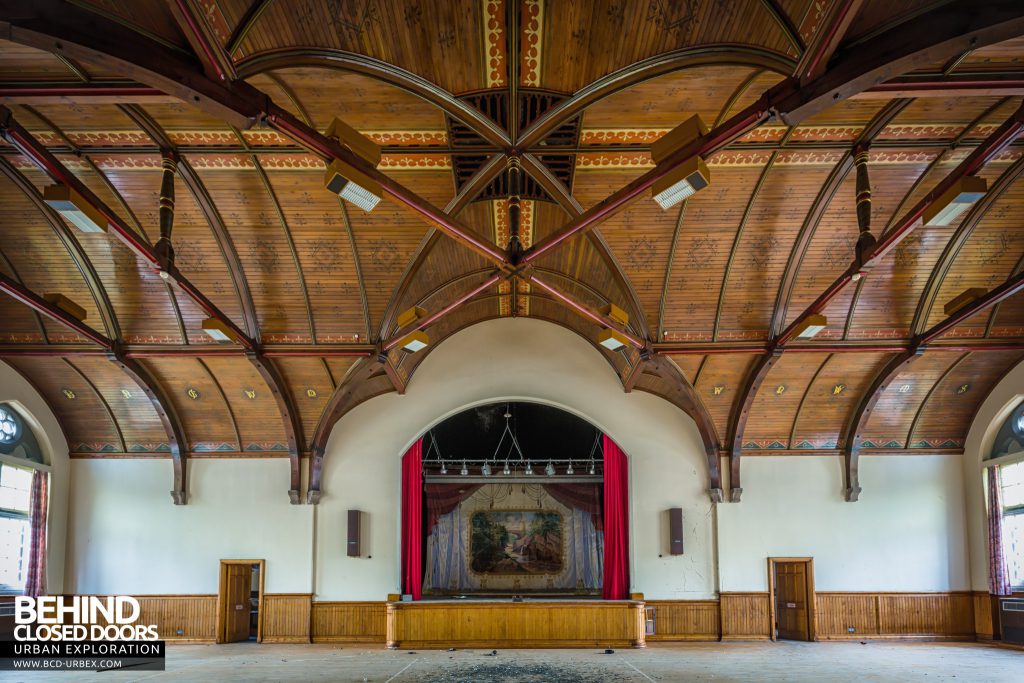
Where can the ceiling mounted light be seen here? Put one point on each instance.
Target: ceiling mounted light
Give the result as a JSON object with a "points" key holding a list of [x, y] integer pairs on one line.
{"points": [[811, 326], [67, 305], [465, 470], [965, 297], [73, 208], [550, 469], [615, 314], [415, 341], [409, 316], [677, 138], [486, 469], [218, 331], [352, 184], [681, 183], [613, 340], [952, 203], [367, 150]]}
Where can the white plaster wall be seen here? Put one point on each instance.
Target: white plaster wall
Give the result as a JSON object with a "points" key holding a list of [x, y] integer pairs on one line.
{"points": [[990, 416], [128, 537], [16, 389], [907, 532], [525, 360]]}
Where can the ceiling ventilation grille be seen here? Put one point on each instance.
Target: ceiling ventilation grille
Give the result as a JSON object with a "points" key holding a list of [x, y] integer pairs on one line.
{"points": [[532, 105]]}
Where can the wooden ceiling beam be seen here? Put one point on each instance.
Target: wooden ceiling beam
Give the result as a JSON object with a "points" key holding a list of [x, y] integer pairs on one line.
{"points": [[945, 262], [245, 24], [30, 146], [19, 292], [1001, 293], [949, 85], [751, 384], [114, 352], [785, 24], [290, 418], [899, 230], [583, 310], [824, 43], [216, 62]]}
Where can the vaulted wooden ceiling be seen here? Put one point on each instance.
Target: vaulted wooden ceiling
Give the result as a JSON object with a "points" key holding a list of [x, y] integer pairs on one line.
{"points": [[238, 92]]}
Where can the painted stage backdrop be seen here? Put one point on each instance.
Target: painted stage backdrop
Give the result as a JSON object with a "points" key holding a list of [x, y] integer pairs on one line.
{"points": [[514, 538]]}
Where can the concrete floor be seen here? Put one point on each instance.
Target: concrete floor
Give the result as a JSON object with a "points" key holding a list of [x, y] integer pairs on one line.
{"points": [[874, 662]]}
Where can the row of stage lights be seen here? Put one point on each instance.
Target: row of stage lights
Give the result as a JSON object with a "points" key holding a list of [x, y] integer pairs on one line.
{"points": [[507, 470]]}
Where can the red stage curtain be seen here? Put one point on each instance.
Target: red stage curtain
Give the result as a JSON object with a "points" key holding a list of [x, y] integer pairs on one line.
{"points": [[412, 520], [586, 497], [443, 498], [616, 522]]}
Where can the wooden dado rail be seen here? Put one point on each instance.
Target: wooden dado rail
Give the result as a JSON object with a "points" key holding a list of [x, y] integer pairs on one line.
{"points": [[296, 617], [561, 623]]}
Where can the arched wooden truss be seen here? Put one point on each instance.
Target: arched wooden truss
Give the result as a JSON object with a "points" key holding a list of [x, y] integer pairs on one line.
{"points": [[257, 98]]}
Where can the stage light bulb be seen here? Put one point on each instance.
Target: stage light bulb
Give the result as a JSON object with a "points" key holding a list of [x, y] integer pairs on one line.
{"points": [[486, 469], [465, 470], [444, 470], [550, 469], [529, 468], [592, 469], [506, 471], [568, 470]]}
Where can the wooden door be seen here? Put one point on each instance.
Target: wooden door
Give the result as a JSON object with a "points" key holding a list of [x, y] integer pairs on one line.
{"points": [[791, 608], [237, 606]]}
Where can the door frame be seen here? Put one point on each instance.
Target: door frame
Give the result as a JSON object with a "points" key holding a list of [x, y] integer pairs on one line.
{"points": [[810, 597], [222, 598]]}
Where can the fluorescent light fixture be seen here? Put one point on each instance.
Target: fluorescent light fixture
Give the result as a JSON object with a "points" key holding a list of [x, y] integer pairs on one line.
{"points": [[680, 136], [811, 326], [352, 184], [218, 331], [367, 150], [952, 203], [409, 316], [67, 305], [73, 208], [616, 314], [965, 297], [683, 182], [415, 341], [613, 340]]}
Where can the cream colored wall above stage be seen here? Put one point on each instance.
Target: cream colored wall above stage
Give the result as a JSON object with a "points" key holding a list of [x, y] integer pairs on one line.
{"points": [[907, 532], [517, 359]]}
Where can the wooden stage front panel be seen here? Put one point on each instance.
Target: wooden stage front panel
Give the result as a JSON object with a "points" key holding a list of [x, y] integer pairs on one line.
{"points": [[505, 624]]}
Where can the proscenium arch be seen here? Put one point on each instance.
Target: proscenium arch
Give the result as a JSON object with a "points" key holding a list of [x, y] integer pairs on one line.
{"points": [[368, 380]]}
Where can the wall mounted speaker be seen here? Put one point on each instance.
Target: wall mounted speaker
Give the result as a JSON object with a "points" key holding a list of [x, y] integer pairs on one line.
{"points": [[354, 519], [675, 531]]}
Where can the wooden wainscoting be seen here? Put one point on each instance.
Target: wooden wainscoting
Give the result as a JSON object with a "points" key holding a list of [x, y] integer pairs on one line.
{"points": [[745, 616], [685, 620], [179, 618], [926, 616], [354, 622], [286, 617], [985, 616]]}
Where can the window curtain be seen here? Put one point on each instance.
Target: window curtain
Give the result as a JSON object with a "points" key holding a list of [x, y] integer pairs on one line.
{"points": [[412, 521], [998, 577], [35, 581], [616, 522]]}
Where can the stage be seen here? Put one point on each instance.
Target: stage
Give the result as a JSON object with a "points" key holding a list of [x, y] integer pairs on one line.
{"points": [[531, 623]]}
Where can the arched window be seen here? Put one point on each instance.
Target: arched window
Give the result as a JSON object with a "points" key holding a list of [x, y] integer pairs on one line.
{"points": [[1009, 478], [1010, 438], [21, 464]]}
